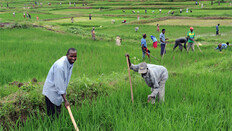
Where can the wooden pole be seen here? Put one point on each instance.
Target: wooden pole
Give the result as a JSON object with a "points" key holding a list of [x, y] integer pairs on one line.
{"points": [[132, 99], [72, 118], [198, 46]]}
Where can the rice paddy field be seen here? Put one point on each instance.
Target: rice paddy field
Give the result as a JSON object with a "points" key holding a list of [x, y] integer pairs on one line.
{"points": [[197, 92]]}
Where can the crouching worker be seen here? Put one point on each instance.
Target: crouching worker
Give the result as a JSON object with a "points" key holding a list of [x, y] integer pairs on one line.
{"points": [[179, 42], [222, 46], [57, 82], [155, 77]]}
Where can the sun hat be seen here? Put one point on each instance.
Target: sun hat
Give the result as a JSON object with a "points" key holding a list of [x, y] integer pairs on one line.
{"points": [[142, 68]]}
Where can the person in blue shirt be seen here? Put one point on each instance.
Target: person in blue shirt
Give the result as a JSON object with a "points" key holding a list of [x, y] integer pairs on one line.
{"points": [[154, 41], [222, 46], [217, 29], [57, 81], [144, 47], [163, 42]]}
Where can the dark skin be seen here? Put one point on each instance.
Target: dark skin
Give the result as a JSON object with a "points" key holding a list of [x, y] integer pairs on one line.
{"points": [[72, 57], [127, 55], [165, 39], [145, 36], [191, 38]]}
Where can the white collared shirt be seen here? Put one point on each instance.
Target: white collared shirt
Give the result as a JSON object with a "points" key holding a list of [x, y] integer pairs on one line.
{"points": [[57, 80]]}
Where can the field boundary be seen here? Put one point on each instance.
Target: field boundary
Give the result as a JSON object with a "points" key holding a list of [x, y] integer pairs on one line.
{"points": [[177, 17]]}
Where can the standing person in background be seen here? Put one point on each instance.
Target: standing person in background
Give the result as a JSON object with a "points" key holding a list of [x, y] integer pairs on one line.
{"points": [[72, 19], [190, 36], [163, 42], [144, 47], [24, 15], [37, 18], [217, 29], [29, 16], [13, 14], [158, 28], [93, 33], [56, 83], [90, 16]]}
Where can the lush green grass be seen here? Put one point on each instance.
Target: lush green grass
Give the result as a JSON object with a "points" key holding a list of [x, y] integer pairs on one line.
{"points": [[198, 93]]}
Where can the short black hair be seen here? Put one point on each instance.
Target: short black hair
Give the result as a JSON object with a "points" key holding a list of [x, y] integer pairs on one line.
{"points": [[144, 35], [218, 24], [163, 29], [227, 43], [72, 49]]}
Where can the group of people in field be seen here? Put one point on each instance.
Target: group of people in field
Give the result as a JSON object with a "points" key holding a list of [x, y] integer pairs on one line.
{"points": [[163, 41]]}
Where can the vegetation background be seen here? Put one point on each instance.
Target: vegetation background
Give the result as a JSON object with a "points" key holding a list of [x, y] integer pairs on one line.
{"points": [[198, 91]]}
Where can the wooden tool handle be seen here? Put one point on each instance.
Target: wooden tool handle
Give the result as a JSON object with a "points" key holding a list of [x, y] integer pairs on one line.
{"points": [[132, 99], [72, 118]]}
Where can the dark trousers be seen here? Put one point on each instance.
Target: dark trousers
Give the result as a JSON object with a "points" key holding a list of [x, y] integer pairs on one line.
{"points": [[163, 51], [51, 108], [180, 46], [217, 32]]}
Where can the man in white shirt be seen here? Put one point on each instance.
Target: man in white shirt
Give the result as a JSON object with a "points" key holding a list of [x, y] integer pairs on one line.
{"points": [[57, 82]]}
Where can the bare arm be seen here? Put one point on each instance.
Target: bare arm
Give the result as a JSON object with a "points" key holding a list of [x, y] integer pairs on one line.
{"points": [[66, 103]]}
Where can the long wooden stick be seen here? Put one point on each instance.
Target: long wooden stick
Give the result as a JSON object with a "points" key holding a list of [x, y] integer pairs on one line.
{"points": [[198, 46], [72, 118], [132, 99]]}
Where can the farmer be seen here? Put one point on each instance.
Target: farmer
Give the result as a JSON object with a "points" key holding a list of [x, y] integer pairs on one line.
{"points": [[136, 29], [24, 15], [217, 29], [180, 10], [93, 33], [29, 16], [155, 77], [222, 46], [90, 16], [124, 21], [190, 36], [37, 18], [113, 21], [72, 19], [118, 41], [154, 41], [179, 42], [158, 28], [57, 82], [163, 42], [144, 46]]}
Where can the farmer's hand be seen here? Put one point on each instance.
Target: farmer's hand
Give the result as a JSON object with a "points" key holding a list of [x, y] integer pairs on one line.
{"points": [[66, 104], [166, 39], [127, 55]]}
